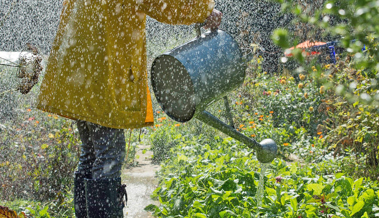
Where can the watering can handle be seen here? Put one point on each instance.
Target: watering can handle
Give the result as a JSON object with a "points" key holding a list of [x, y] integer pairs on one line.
{"points": [[198, 28]]}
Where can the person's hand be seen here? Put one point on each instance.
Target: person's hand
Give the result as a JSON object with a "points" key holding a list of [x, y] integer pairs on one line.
{"points": [[214, 20]]}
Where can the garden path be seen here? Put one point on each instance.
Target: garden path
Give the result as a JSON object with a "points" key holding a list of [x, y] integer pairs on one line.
{"points": [[140, 182]]}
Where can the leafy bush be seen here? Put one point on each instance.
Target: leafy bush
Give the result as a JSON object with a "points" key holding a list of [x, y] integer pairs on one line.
{"points": [[217, 178]]}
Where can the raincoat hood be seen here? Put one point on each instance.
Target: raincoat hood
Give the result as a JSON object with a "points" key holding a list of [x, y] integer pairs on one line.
{"points": [[97, 67]]}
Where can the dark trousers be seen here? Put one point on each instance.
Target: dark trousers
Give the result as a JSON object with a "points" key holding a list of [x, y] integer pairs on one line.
{"points": [[102, 150]]}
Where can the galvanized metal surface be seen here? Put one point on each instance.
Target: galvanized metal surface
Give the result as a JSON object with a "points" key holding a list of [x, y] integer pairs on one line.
{"points": [[266, 150], [189, 78]]}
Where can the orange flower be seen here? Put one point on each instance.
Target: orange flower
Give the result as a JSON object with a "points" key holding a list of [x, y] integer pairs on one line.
{"points": [[49, 115], [256, 113], [37, 122], [243, 128], [261, 119], [311, 152], [158, 125], [251, 122], [242, 125], [286, 144], [267, 116], [158, 112], [321, 137], [253, 135], [163, 118], [313, 145], [261, 116], [219, 111], [177, 125], [319, 133], [29, 110], [271, 112]]}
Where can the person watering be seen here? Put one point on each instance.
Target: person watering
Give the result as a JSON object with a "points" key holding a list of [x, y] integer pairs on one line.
{"points": [[96, 75]]}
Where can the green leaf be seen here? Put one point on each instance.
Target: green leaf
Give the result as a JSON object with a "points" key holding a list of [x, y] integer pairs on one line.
{"points": [[197, 204], [151, 208], [200, 215], [182, 157], [351, 200], [357, 207], [44, 146], [339, 175], [294, 204], [365, 215], [293, 169], [225, 212], [281, 38], [317, 188], [357, 184]]}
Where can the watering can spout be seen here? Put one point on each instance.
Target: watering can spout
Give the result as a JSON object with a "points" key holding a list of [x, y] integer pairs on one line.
{"points": [[266, 150]]}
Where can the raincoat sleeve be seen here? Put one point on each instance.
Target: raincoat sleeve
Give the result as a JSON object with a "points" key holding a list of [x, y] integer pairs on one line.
{"points": [[177, 12]]}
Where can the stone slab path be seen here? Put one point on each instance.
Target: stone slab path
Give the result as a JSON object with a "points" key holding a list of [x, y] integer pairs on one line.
{"points": [[140, 182]]}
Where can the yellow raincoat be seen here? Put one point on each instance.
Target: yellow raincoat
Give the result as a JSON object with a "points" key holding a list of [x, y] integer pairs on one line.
{"points": [[97, 67]]}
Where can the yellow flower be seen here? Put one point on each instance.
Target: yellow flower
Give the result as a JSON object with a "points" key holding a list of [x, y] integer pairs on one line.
{"points": [[327, 66], [322, 90], [302, 77], [306, 95], [301, 85], [176, 125], [251, 122], [242, 125], [268, 93], [283, 81], [311, 109], [286, 144]]}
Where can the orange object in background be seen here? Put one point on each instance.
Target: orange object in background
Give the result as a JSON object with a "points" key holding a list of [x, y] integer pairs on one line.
{"points": [[305, 45]]}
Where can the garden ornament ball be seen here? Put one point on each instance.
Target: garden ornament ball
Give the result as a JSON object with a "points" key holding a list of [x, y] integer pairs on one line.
{"points": [[187, 79]]}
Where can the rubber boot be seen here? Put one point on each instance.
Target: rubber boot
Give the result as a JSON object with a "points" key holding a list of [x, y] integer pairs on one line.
{"points": [[79, 195], [104, 198]]}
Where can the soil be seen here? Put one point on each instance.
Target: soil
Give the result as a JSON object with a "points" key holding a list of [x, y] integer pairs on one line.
{"points": [[141, 182]]}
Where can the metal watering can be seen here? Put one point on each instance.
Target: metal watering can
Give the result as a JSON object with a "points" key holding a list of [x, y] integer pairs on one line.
{"points": [[190, 77]]}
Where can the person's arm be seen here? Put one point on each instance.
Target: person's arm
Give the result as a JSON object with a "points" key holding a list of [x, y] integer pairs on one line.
{"points": [[177, 11]]}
